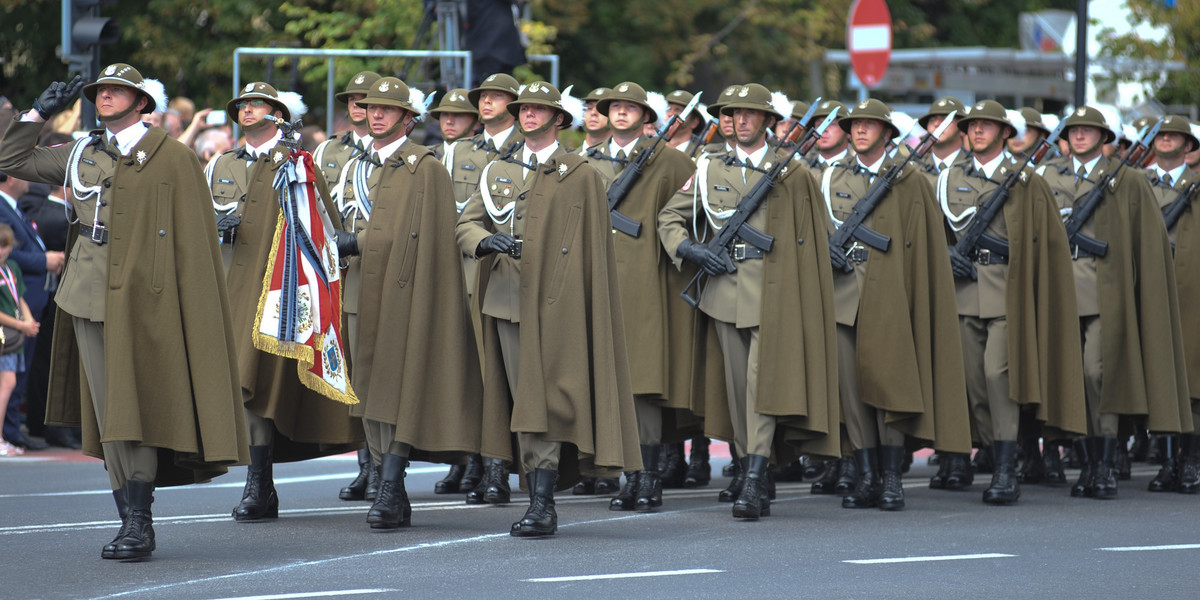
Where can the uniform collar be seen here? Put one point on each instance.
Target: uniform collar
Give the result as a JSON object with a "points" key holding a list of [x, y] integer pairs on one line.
{"points": [[386, 152], [1090, 166], [257, 151], [989, 168], [129, 137], [873, 168], [752, 158], [499, 139], [613, 148], [1176, 173], [543, 155]]}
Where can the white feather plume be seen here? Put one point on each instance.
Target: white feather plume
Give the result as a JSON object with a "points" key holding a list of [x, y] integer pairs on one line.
{"points": [[1050, 121], [573, 106], [1112, 118], [781, 104], [1128, 132], [294, 103], [1018, 121], [904, 124], [417, 99], [154, 88], [1195, 130], [658, 103]]}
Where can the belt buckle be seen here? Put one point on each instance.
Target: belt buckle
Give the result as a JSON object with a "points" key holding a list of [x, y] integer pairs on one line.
{"points": [[857, 254], [983, 256], [97, 235], [738, 252], [515, 250]]}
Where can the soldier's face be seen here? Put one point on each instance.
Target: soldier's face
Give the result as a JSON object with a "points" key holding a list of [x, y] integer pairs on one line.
{"points": [[455, 125], [357, 112], [984, 137], [1169, 144], [726, 122], [1085, 140], [834, 139], [782, 126], [593, 120], [624, 115], [252, 111], [536, 118], [749, 125], [384, 118], [493, 105], [866, 135], [114, 99], [950, 134], [1025, 142]]}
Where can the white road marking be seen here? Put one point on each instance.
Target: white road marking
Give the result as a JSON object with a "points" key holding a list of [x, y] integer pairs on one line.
{"points": [[910, 559], [313, 594], [623, 575], [1148, 548]]}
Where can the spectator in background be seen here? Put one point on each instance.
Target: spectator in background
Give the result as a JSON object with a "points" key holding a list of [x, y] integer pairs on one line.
{"points": [[15, 314], [213, 142], [492, 36], [185, 108]]}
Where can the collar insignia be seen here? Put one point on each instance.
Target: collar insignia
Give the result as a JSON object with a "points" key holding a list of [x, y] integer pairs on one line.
{"points": [[141, 157], [562, 169], [412, 158], [278, 156]]}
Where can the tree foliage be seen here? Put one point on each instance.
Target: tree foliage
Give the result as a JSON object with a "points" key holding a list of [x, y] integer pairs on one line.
{"points": [[1182, 43]]}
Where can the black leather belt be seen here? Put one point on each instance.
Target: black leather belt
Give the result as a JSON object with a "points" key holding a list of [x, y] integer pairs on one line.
{"points": [[515, 250], [857, 254], [98, 234], [987, 257], [742, 251]]}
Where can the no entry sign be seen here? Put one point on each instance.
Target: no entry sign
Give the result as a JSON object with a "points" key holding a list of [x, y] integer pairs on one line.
{"points": [[869, 40]]}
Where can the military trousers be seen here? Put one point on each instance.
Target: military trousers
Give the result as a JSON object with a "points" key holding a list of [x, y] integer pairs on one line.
{"points": [[536, 451], [1100, 423], [865, 424], [124, 460], [648, 409], [753, 433], [985, 360], [381, 439]]}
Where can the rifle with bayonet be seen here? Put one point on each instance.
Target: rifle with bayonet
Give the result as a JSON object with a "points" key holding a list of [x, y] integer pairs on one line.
{"points": [[1089, 204], [1175, 209], [736, 226], [976, 234], [633, 172], [852, 228], [706, 138]]}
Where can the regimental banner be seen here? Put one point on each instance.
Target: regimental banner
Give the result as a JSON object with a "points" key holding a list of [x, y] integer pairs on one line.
{"points": [[300, 310]]}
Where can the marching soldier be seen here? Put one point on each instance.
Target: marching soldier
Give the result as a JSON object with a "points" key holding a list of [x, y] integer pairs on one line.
{"points": [[834, 145], [333, 154], [686, 138], [595, 123], [777, 340], [724, 122], [948, 150], [1016, 308], [457, 119], [1021, 146], [548, 282], [146, 324], [1126, 301], [1173, 181], [287, 420], [899, 358], [416, 369]]}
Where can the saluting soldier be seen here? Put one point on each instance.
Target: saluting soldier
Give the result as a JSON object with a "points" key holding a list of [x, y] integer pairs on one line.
{"points": [[947, 150], [1173, 181], [416, 369], [146, 341], [557, 371], [777, 340], [334, 153], [1128, 309], [457, 119], [900, 367], [1016, 308], [287, 420]]}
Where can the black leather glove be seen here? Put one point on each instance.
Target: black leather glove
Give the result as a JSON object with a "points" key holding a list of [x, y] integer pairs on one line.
{"points": [[347, 243], [961, 265], [57, 97], [228, 222], [837, 257], [497, 242], [710, 262]]}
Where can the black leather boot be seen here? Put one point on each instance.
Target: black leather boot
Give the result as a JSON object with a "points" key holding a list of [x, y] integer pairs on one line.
{"points": [[357, 490], [866, 493], [372, 483], [607, 485], [138, 541], [983, 463], [1106, 469], [627, 497], [449, 483], [732, 492], [1085, 486], [472, 475], [1054, 473], [792, 472], [1005, 488], [827, 479], [847, 475], [122, 499], [730, 469], [391, 508], [891, 464], [586, 486], [1121, 465], [1033, 468], [1189, 464], [1141, 449], [493, 488], [649, 490], [673, 468], [753, 500], [699, 471], [259, 500], [1168, 476], [541, 518], [813, 468]]}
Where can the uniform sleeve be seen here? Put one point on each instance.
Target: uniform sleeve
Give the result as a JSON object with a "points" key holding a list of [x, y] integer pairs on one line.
{"points": [[472, 225], [21, 157], [674, 220]]}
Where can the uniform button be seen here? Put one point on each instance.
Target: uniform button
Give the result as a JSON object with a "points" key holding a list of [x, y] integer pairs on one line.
{"points": [[799, 240], [908, 244], [522, 196], [103, 203], [414, 234], [564, 250], [162, 232], [107, 183], [518, 216], [1035, 239]]}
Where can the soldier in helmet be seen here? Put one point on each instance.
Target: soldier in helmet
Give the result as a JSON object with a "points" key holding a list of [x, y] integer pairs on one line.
{"points": [[595, 123], [1021, 146], [724, 122], [1173, 181], [791, 321], [540, 224], [287, 420], [899, 359], [147, 321], [1016, 308], [1126, 301], [334, 153], [834, 145], [457, 119], [948, 150], [686, 138]]}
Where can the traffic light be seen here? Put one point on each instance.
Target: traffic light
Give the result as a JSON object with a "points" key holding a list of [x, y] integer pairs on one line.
{"points": [[83, 32]]}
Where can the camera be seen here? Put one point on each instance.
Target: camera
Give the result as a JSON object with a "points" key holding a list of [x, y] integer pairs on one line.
{"points": [[216, 117]]}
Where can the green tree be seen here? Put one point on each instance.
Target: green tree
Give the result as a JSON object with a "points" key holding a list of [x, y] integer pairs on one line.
{"points": [[1182, 43]]}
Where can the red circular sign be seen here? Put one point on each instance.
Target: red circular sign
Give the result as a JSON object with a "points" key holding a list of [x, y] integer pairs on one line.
{"points": [[869, 40]]}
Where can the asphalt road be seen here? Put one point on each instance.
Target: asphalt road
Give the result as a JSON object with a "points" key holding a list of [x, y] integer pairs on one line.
{"points": [[56, 512]]}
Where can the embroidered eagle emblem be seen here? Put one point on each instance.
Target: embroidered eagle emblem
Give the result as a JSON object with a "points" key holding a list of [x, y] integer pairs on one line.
{"points": [[743, 92], [361, 78], [249, 88], [624, 87], [384, 86], [1082, 111], [110, 70], [141, 157]]}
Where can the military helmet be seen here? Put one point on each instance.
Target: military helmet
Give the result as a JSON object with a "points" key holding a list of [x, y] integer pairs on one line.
{"points": [[1033, 119], [121, 74], [541, 92], [823, 110], [1179, 124], [727, 94], [455, 101], [259, 90], [629, 92], [359, 84], [596, 94], [799, 107], [1089, 115], [873, 109], [389, 91], [682, 97], [987, 110], [752, 96], [942, 106], [501, 82]]}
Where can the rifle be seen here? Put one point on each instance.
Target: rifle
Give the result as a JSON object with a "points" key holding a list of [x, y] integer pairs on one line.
{"points": [[706, 138], [1091, 201], [736, 226], [633, 172], [976, 234], [852, 228], [1173, 211]]}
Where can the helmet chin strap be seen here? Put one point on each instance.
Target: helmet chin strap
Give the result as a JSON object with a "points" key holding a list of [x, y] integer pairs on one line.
{"points": [[390, 130]]}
